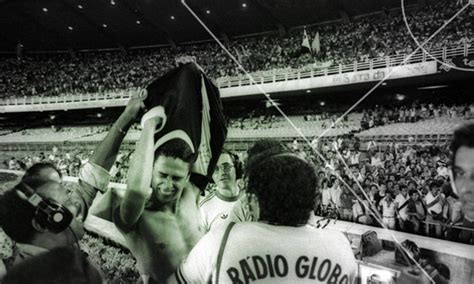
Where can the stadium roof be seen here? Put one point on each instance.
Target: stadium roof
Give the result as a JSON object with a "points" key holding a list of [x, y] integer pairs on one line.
{"points": [[47, 25]]}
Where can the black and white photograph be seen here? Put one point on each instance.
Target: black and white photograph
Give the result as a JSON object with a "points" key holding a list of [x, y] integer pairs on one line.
{"points": [[237, 141]]}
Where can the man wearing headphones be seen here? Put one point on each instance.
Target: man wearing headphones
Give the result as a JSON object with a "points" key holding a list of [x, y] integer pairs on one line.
{"points": [[40, 215], [217, 205]]}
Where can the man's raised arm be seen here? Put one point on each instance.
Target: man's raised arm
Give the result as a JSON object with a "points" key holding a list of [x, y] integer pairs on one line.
{"points": [[140, 172], [94, 175]]}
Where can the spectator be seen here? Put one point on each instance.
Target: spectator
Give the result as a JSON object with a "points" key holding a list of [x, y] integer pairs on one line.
{"points": [[401, 201], [325, 195], [335, 191], [433, 200], [12, 165], [378, 193], [217, 205], [346, 205], [361, 213], [416, 212], [387, 207]]}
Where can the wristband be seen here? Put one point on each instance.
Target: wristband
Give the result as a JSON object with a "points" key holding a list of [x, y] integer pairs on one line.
{"points": [[155, 112]]}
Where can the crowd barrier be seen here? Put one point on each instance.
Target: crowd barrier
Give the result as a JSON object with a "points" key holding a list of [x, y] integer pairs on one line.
{"points": [[457, 256]]}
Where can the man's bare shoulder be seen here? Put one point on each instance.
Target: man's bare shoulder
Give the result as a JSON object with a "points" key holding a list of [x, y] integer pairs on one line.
{"points": [[190, 191]]}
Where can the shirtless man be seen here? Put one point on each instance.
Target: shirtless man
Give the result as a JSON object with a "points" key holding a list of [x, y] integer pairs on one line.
{"points": [[158, 215]]}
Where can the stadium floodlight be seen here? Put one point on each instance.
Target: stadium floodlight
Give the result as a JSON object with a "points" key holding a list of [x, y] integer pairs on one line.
{"points": [[400, 97], [433, 87], [244, 5], [138, 22], [112, 2], [70, 28], [172, 17], [104, 25], [208, 12], [80, 6], [45, 10]]}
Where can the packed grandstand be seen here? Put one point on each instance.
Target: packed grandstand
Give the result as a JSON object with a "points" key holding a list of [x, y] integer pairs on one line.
{"points": [[394, 147]]}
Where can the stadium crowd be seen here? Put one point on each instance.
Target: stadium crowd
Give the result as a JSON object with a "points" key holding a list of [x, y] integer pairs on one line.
{"points": [[407, 184], [102, 72], [68, 163], [366, 117], [381, 115], [388, 173]]}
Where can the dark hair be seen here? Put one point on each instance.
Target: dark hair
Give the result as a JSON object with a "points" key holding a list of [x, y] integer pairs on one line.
{"points": [[412, 191], [262, 149], [447, 190], [434, 183], [178, 149], [16, 213], [391, 193], [443, 270], [463, 136], [35, 170], [285, 186], [59, 265], [265, 145]]}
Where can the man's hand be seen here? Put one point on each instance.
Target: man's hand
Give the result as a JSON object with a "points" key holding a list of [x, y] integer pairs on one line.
{"points": [[134, 107], [153, 118]]}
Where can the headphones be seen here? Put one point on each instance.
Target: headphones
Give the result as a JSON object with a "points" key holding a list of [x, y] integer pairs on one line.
{"points": [[49, 213]]}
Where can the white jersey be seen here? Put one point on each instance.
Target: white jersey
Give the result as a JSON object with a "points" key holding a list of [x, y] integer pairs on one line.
{"points": [[401, 202], [215, 209], [244, 210], [436, 208], [263, 253]]}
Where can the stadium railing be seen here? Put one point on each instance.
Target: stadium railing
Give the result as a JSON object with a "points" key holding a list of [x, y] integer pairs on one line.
{"points": [[270, 76], [374, 63]]}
